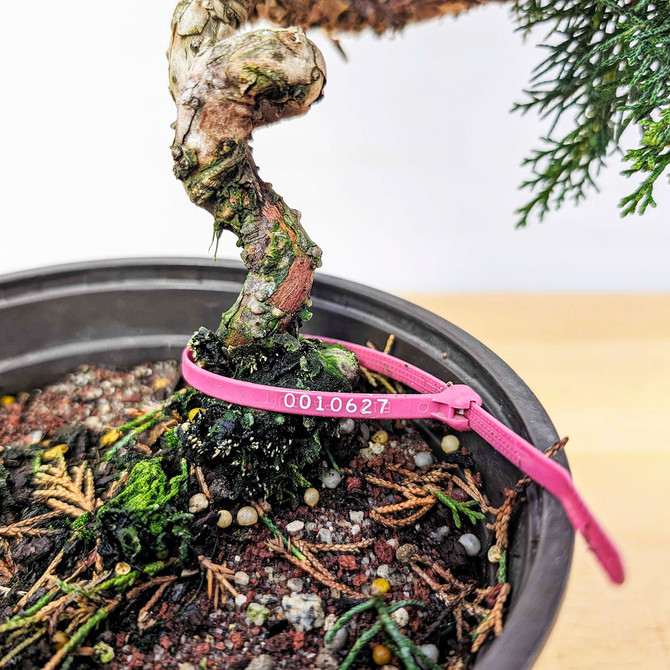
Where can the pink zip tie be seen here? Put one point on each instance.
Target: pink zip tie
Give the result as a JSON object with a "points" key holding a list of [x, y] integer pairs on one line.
{"points": [[457, 405]]}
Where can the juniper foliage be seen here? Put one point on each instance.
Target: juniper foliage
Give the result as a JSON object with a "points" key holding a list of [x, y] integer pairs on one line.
{"points": [[608, 68], [458, 508], [407, 652]]}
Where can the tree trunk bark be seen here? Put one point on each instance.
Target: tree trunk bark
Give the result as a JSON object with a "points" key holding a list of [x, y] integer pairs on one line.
{"points": [[229, 89], [226, 84]]}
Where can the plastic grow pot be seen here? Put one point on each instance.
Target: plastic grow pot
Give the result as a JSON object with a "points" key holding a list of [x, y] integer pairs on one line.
{"points": [[124, 312]]}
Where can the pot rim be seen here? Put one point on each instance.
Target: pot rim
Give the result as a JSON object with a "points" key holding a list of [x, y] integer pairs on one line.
{"points": [[543, 588]]}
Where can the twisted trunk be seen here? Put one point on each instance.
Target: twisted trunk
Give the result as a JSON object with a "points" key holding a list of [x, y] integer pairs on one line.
{"points": [[226, 84], [236, 85]]}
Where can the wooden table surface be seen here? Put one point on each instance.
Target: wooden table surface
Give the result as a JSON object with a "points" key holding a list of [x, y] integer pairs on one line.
{"points": [[600, 364]]}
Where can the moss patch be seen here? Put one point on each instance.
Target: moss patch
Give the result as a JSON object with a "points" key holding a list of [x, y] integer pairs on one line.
{"points": [[146, 517]]}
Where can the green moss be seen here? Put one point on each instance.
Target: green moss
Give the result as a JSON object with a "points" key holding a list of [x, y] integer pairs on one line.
{"points": [[295, 363], [82, 527], [103, 653], [147, 516], [170, 439]]}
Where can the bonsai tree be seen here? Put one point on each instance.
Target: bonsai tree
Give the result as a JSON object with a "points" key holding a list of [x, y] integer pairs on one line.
{"points": [[610, 65]]}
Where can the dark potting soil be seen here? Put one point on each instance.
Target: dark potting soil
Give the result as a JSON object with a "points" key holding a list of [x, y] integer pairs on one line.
{"points": [[243, 599]]}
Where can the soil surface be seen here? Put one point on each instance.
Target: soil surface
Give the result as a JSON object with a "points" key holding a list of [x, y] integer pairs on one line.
{"points": [[249, 602]]}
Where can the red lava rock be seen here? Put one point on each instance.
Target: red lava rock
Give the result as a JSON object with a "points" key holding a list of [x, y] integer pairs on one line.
{"points": [[202, 648], [347, 562], [79, 397], [121, 640], [383, 551], [237, 640], [360, 579], [137, 661], [421, 591], [255, 631], [278, 643], [459, 495], [220, 646], [353, 484], [298, 640], [10, 416], [165, 642]]}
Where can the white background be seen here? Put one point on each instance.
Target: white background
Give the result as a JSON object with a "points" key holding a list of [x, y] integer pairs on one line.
{"points": [[406, 173]]}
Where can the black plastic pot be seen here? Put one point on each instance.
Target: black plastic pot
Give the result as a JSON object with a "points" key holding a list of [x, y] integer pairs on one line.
{"points": [[129, 311]]}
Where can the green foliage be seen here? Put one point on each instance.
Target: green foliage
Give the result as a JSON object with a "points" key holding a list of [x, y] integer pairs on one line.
{"points": [[400, 645], [20, 621], [146, 516], [33, 616], [119, 453], [79, 634], [652, 158], [502, 566], [139, 422], [607, 69], [82, 527], [457, 508], [280, 536]]}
